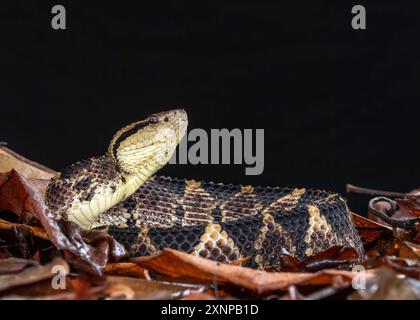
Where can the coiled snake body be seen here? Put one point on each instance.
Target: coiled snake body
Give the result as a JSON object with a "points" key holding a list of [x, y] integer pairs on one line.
{"points": [[146, 213]]}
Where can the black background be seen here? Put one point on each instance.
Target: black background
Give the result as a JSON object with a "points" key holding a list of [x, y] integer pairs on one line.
{"points": [[337, 105]]}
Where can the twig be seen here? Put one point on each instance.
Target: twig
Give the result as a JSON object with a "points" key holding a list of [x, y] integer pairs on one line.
{"points": [[404, 224], [373, 192], [322, 294], [147, 274]]}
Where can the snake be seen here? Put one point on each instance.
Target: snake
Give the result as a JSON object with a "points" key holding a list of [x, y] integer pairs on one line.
{"points": [[120, 192]]}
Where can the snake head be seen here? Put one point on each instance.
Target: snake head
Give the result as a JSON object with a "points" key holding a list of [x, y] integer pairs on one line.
{"points": [[147, 145]]}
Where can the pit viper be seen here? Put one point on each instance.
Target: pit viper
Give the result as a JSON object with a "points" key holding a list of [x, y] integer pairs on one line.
{"points": [[120, 192]]}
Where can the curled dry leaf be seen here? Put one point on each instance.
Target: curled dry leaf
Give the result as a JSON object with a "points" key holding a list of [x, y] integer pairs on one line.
{"points": [[334, 257], [90, 250], [178, 264], [410, 205]]}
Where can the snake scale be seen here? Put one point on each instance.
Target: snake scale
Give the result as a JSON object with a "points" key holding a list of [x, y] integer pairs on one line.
{"points": [[118, 191]]}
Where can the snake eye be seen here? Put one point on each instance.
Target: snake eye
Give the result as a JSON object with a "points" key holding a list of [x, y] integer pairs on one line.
{"points": [[153, 120]]}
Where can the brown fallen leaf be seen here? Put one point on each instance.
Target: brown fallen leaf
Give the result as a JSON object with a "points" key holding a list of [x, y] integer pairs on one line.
{"points": [[409, 250], [37, 174], [15, 265], [74, 288], [32, 274], [37, 231], [127, 269], [87, 288], [370, 231], [90, 250], [134, 288], [23, 241], [10, 160], [120, 292], [179, 264], [409, 267], [200, 296], [67, 295], [416, 238], [410, 204], [333, 257]]}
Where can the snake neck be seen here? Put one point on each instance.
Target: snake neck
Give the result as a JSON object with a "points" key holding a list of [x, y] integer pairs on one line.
{"points": [[91, 187], [134, 181], [105, 200]]}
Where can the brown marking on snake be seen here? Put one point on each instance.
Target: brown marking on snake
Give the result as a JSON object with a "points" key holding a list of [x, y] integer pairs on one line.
{"points": [[272, 241], [216, 245]]}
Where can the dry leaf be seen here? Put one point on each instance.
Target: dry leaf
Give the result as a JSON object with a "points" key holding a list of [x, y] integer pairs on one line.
{"points": [[409, 250], [133, 288], [15, 265], [36, 231], [127, 269], [32, 274], [10, 160], [333, 257], [409, 267], [369, 230], [200, 296], [179, 264]]}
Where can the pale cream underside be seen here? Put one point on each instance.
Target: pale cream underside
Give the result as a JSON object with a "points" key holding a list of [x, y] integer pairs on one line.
{"points": [[86, 213]]}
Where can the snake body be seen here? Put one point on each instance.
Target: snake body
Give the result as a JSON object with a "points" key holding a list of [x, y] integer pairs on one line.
{"points": [[118, 191]]}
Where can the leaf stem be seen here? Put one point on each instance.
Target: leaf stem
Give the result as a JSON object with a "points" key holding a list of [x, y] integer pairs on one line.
{"points": [[374, 192]]}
